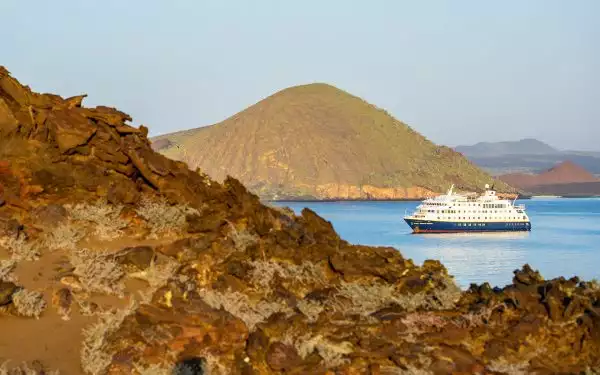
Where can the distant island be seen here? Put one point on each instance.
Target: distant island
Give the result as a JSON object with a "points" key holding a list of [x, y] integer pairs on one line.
{"points": [[317, 142], [566, 179], [526, 156]]}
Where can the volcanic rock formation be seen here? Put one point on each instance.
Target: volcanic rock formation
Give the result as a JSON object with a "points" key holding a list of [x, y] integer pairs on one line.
{"points": [[115, 259], [565, 178], [318, 142]]}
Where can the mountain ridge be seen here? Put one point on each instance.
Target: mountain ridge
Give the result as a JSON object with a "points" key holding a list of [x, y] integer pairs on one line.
{"points": [[498, 158], [318, 141], [525, 146]]}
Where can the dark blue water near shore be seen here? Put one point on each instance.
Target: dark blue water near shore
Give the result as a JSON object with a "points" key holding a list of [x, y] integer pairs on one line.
{"points": [[564, 241]]}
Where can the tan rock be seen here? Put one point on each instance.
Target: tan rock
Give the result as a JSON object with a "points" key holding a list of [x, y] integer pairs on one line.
{"points": [[50, 215], [125, 129], [72, 282], [136, 258], [7, 289], [14, 91], [74, 101], [8, 122], [62, 299], [110, 116], [281, 357], [70, 129]]}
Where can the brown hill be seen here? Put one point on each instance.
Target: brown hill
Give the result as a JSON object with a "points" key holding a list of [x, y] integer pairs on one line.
{"points": [[574, 189], [563, 173], [318, 141], [133, 264]]}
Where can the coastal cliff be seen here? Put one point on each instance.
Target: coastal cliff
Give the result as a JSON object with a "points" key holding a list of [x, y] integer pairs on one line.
{"points": [[117, 260], [319, 142]]}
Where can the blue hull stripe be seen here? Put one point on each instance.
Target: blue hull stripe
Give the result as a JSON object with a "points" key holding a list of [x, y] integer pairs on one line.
{"points": [[430, 226]]}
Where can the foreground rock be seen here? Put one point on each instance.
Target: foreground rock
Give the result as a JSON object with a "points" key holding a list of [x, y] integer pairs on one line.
{"points": [[236, 287]]}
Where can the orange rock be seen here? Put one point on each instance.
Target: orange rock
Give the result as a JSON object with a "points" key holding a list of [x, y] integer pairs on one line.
{"points": [[8, 122], [4, 166]]}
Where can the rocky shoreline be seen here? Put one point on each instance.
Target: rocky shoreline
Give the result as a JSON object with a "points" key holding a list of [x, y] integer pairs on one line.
{"points": [[142, 266]]}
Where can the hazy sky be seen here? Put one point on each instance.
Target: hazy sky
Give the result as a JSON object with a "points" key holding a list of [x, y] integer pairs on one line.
{"points": [[459, 72]]}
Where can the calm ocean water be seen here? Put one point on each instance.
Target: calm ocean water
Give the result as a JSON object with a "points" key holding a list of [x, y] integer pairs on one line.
{"points": [[564, 241]]}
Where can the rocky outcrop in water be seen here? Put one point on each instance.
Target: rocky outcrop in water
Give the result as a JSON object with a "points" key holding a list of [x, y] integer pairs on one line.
{"points": [[229, 285]]}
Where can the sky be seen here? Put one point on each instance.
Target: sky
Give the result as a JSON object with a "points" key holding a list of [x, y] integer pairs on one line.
{"points": [[457, 71]]}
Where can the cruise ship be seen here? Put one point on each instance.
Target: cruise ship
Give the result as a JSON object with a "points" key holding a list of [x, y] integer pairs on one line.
{"points": [[451, 213]]}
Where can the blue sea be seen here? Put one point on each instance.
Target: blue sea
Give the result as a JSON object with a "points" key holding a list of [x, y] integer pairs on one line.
{"points": [[564, 241]]}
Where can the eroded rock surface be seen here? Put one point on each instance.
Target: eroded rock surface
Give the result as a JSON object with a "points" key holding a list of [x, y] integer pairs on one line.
{"points": [[237, 287]]}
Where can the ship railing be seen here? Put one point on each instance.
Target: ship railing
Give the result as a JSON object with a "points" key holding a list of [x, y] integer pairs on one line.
{"points": [[520, 207]]}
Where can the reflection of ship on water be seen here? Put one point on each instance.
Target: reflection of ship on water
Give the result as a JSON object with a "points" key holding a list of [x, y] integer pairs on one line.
{"points": [[482, 235]]}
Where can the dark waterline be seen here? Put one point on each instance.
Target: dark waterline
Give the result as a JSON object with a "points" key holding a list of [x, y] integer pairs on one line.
{"points": [[564, 241]]}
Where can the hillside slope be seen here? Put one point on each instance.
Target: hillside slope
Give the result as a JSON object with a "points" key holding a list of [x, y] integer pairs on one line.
{"points": [[318, 141]]}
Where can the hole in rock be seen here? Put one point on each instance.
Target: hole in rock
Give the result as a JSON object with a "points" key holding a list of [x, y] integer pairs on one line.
{"points": [[190, 366]]}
